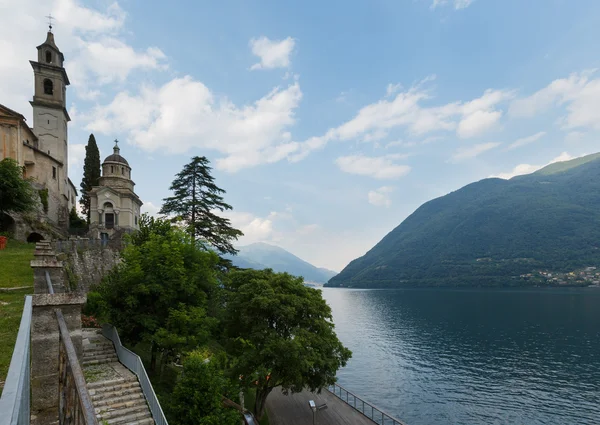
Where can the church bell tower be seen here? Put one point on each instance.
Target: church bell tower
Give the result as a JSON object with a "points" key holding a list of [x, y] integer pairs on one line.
{"points": [[50, 115]]}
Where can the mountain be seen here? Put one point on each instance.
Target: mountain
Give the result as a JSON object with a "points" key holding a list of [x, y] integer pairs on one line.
{"points": [[262, 256], [491, 232]]}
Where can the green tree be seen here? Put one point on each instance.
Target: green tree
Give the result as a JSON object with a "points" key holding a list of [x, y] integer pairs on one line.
{"points": [[196, 198], [159, 294], [91, 174], [76, 222], [279, 333], [16, 193], [197, 397]]}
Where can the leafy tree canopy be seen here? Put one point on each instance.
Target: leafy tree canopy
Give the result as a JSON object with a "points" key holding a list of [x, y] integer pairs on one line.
{"points": [[91, 174], [196, 200], [16, 193], [197, 398], [280, 333], [159, 293]]}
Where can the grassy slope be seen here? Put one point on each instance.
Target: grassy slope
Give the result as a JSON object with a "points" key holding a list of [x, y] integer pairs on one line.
{"points": [[15, 271]]}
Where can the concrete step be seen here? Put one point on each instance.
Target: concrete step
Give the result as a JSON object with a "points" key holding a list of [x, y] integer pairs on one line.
{"points": [[131, 419], [120, 406], [141, 408], [98, 347], [119, 399], [110, 386], [147, 421], [99, 355], [92, 362], [116, 394]]}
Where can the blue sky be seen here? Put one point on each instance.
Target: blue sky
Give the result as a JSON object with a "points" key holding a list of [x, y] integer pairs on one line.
{"points": [[327, 123]]}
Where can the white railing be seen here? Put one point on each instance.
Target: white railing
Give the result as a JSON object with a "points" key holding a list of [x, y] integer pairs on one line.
{"points": [[133, 362], [14, 403], [364, 407]]}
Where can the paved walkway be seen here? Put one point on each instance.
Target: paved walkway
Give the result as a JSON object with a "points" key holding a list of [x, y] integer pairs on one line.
{"points": [[293, 410]]}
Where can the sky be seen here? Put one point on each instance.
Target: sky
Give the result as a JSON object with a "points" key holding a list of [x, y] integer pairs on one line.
{"points": [[327, 123]]}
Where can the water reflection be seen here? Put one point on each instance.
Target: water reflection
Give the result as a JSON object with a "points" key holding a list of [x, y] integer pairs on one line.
{"points": [[473, 356]]}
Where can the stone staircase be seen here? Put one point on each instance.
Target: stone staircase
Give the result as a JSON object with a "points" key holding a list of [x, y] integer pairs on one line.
{"points": [[115, 391]]}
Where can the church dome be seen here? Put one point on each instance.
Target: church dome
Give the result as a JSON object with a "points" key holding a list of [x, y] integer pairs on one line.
{"points": [[116, 156]]}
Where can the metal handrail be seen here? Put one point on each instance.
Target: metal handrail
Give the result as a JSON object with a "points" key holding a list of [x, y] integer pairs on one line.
{"points": [[49, 283], [82, 412], [376, 415], [14, 403], [133, 362]]}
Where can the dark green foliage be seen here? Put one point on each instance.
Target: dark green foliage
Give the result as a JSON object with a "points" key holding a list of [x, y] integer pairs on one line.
{"points": [[76, 222], [197, 398], [43, 194], [150, 226], [91, 174], [279, 333], [489, 231], [16, 193], [159, 293], [195, 199]]}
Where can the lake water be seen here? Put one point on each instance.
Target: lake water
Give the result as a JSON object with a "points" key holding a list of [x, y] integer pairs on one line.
{"points": [[473, 356]]}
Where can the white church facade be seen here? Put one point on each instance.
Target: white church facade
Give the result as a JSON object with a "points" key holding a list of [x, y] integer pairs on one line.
{"points": [[114, 206]]}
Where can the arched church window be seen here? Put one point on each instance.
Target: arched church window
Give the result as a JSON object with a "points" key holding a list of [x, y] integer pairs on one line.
{"points": [[48, 56], [123, 171], [107, 205], [112, 169], [48, 87]]}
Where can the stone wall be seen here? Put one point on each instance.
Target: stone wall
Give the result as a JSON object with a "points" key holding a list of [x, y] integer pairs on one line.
{"points": [[85, 263]]}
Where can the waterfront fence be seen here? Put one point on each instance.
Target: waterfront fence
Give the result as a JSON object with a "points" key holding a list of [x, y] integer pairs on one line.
{"points": [[370, 411]]}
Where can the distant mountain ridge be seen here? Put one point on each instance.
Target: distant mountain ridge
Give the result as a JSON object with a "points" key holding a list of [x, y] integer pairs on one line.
{"points": [[262, 255], [492, 231]]}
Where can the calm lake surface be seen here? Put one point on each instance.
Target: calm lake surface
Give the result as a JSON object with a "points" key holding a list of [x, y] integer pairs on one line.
{"points": [[473, 356]]}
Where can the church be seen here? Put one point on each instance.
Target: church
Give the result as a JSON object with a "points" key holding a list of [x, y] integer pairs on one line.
{"points": [[114, 206], [43, 152]]}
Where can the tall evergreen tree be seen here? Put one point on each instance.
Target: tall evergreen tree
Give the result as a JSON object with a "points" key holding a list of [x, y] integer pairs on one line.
{"points": [[196, 198], [91, 175]]}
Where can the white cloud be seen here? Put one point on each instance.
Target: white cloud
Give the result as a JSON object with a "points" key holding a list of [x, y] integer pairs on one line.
{"points": [[272, 53], [380, 197], [477, 123], [392, 88], [90, 38], [526, 140], [150, 208], [381, 167], [186, 110], [522, 169], [579, 94], [109, 60], [468, 119], [471, 152], [255, 229], [76, 157], [458, 4]]}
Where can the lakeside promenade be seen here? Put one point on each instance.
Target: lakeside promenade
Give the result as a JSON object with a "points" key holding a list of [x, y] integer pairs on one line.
{"points": [[293, 409]]}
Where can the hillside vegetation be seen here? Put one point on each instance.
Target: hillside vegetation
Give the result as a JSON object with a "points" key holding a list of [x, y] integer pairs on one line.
{"points": [[490, 231]]}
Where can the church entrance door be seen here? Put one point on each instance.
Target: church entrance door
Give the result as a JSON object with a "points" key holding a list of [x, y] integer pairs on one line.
{"points": [[110, 220]]}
